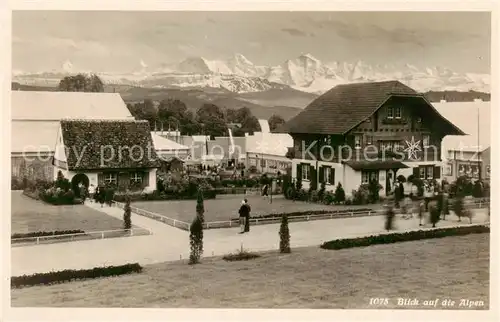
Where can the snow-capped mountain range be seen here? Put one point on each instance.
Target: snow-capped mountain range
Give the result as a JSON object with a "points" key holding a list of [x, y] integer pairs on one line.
{"points": [[304, 73]]}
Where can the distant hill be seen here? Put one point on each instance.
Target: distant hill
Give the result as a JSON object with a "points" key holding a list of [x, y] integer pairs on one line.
{"points": [[287, 102], [455, 96]]}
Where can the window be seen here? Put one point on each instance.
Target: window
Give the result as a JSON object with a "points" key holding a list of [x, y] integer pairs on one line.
{"points": [[253, 162], [136, 177], [357, 141], [390, 113], [419, 120], [306, 172], [328, 175], [397, 112], [369, 140], [397, 146], [427, 172], [425, 140], [367, 176], [110, 178], [391, 145], [449, 169], [263, 163], [430, 172], [422, 172]]}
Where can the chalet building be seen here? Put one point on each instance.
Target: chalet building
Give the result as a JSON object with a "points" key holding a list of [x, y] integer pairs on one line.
{"points": [[36, 120], [107, 152], [357, 133], [35, 123]]}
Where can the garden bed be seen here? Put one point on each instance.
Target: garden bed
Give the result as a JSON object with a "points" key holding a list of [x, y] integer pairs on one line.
{"points": [[308, 278], [156, 196]]}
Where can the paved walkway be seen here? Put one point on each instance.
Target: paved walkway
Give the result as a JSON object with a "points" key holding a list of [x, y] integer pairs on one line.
{"points": [[168, 243]]}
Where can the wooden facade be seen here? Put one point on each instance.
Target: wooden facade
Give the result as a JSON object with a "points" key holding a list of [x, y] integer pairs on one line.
{"points": [[388, 129]]}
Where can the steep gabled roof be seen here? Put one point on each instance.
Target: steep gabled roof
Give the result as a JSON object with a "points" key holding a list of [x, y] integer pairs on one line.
{"points": [[94, 145], [54, 106], [344, 106]]}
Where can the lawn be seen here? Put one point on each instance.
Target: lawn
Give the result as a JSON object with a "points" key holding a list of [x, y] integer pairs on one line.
{"points": [[225, 207], [29, 215], [451, 267]]}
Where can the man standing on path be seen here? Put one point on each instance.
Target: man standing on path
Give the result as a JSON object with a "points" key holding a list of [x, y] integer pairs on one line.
{"points": [[244, 217]]}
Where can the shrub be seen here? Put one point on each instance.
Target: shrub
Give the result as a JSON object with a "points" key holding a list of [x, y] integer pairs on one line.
{"points": [[298, 184], [361, 196], [374, 190], [477, 190], [70, 275], [284, 235], [403, 237], [127, 223], [46, 233], [321, 191], [241, 255], [314, 195], [62, 182], [329, 198], [339, 194]]}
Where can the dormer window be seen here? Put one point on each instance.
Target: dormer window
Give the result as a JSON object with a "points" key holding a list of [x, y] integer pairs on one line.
{"points": [[357, 141], [397, 112], [390, 113]]}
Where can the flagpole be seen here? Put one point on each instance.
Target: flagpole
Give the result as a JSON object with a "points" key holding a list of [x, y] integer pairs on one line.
{"points": [[479, 163]]}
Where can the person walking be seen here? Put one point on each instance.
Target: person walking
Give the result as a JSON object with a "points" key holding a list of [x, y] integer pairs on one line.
{"points": [[265, 192], [92, 190], [247, 219]]}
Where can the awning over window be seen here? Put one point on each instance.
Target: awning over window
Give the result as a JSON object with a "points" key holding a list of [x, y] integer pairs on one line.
{"points": [[375, 165]]}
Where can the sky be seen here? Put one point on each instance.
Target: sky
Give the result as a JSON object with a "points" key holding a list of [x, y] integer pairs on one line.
{"points": [[114, 41]]}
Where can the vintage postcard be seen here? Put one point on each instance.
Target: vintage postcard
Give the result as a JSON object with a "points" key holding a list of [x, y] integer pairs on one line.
{"points": [[251, 159]]}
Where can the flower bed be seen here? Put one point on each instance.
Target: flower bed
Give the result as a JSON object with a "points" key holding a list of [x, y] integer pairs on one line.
{"points": [[344, 212], [46, 233], [403, 237], [70, 275], [155, 195]]}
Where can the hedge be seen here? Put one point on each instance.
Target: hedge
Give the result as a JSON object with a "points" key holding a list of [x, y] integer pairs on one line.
{"points": [[241, 256], [403, 237], [70, 275], [207, 194], [46, 233], [308, 213]]}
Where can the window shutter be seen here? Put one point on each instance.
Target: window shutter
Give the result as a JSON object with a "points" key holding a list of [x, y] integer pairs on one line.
{"points": [[314, 177], [437, 172], [416, 172], [145, 178], [321, 174], [332, 176], [299, 171], [100, 179]]}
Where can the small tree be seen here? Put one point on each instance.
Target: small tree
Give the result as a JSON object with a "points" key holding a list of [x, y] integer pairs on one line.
{"points": [[339, 194], [127, 223], [298, 184], [321, 191], [284, 235], [196, 241], [196, 231]]}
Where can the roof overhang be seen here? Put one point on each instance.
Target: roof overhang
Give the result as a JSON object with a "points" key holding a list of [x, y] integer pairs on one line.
{"points": [[455, 129], [375, 165]]}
